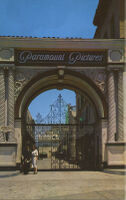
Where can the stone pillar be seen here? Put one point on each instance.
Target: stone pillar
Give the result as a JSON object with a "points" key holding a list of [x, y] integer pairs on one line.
{"points": [[117, 112], [8, 128], [124, 104], [2, 98], [6, 97], [11, 98], [120, 136], [111, 107]]}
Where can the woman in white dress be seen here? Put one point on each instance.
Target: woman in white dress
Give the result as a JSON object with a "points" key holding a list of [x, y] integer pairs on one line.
{"points": [[34, 159]]}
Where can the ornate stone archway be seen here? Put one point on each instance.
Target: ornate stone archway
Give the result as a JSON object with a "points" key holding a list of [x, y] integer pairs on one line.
{"points": [[97, 72], [52, 79]]}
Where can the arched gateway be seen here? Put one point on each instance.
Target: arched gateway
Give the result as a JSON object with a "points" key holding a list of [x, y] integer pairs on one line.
{"points": [[94, 69]]}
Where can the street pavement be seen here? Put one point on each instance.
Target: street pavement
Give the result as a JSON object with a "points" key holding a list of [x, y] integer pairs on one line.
{"points": [[62, 185]]}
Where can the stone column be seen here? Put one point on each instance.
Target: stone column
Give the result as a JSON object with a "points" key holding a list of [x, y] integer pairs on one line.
{"points": [[124, 104], [6, 97], [111, 107], [2, 98], [120, 136], [11, 98]]}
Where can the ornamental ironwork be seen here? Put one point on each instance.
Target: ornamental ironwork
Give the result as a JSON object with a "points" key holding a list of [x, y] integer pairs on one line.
{"points": [[58, 113]]}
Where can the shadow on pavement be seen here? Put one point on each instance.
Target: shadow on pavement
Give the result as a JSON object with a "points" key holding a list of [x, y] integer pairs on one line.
{"points": [[115, 172], [9, 175]]}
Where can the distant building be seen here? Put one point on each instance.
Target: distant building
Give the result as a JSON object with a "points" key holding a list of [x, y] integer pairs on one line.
{"points": [[48, 138], [87, 135]]}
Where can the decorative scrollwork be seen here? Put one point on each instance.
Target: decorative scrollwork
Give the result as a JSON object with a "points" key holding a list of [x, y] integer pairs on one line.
{"points": [[20, 81], [18, 86], [22, 78], [97, 76], [57, 114], [7, 135]]}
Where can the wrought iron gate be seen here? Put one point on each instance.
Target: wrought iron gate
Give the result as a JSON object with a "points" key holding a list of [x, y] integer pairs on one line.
{"points": [[63, 148], [59, 142]]}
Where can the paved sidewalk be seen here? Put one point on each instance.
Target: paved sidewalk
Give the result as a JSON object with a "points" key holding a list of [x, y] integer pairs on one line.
{"points": [[48, 185], [115, 171]]}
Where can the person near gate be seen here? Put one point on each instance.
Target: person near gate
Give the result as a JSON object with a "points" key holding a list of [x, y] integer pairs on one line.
{"points": [[26, 160], [34, 159]]}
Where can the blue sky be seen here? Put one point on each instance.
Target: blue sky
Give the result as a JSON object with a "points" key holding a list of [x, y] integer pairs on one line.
{"points": [[48, 18], [42, 103]]}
